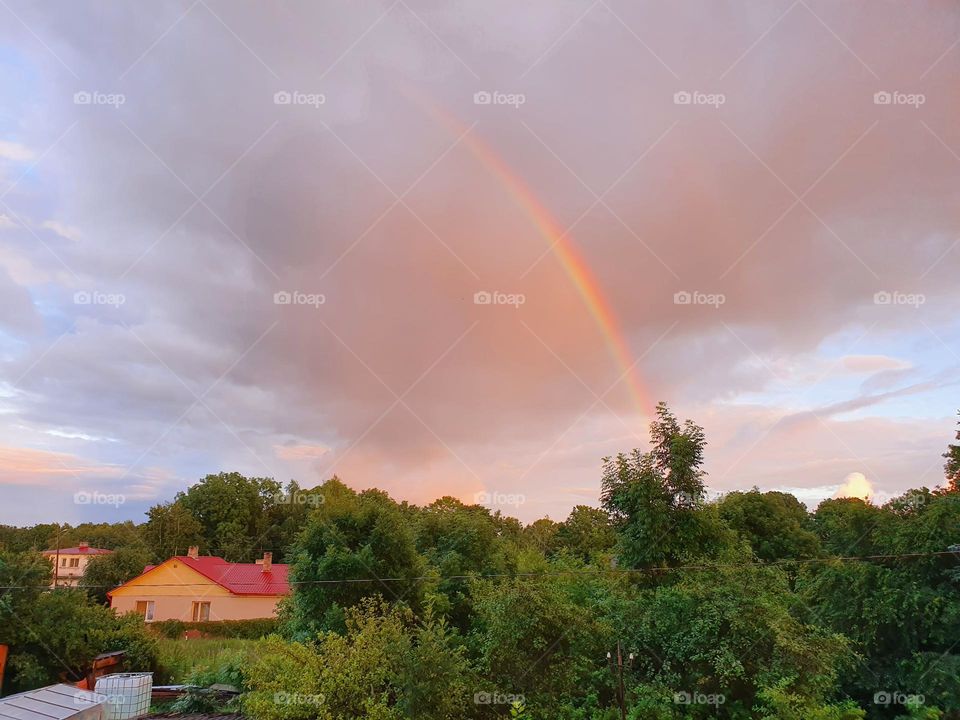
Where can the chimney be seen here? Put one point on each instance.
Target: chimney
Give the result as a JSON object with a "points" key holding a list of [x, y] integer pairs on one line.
{"points": [[84, 545], [267, 561], [193, 552]]}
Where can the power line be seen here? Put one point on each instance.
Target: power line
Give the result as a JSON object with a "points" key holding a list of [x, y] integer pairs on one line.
{"points": [[520, 575]]}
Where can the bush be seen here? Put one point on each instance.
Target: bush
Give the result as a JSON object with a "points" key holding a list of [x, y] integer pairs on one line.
{"points": [[240, 629], [387, 666], [179, 660], [227, 668], [62, 631]]}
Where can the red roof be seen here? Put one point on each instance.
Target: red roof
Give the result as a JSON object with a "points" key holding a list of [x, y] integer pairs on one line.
{"points": [[239, 578], [78, 551]]}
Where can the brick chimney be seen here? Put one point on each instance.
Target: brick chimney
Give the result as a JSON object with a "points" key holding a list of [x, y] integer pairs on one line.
{"points": [[193, 552], [83, 545], [267, 561]]}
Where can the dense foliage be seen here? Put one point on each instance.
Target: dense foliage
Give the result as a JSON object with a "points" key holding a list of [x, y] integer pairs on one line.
{"points": [[54, 635], [748, 606]]}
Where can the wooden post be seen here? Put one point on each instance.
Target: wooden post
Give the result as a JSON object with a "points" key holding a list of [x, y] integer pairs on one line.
{"points": [[56, 561]]}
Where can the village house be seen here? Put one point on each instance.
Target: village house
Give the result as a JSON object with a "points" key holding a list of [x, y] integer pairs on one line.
{"points": [[69, 563], [196, 588]]}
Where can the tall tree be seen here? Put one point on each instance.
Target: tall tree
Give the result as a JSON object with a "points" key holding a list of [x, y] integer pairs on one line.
{"points": [[656, 498], [170, 530], [234, 512], [586, 532], [105, 572], [952, 467], [775, 524], [365, 542]]}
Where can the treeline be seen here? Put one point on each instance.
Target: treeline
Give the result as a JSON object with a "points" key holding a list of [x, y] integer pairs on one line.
{"points": [[745, 607]]}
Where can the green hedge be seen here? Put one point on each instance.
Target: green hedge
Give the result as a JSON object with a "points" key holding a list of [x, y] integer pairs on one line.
{"points": [[244, 629]]}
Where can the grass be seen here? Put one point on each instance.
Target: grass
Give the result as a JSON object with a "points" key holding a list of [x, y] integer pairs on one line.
{"points": [[177, 659]]}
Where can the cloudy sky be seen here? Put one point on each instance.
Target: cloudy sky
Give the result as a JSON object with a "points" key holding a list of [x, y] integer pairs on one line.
{"points": [[446, 247]]}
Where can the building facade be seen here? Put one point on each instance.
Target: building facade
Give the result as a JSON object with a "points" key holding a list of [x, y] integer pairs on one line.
{"points": [[69, 563], [196, 588]]}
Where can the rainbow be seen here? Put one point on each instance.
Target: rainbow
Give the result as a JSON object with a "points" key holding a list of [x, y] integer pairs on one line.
{"points": [[563, 248]]}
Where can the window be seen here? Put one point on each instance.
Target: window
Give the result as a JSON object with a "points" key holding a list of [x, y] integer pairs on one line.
{"points": [[201, 611], [63, 562], [74, 562], [145, 608]]}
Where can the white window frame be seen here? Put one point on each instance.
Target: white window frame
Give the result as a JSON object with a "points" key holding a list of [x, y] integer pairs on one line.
{"points": [[149, 611], [196, 611]]}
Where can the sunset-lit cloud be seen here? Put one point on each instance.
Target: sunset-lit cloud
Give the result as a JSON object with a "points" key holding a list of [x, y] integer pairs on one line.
{"points": [[317, 238], [14, 151], [857, 486], [26, 466]]}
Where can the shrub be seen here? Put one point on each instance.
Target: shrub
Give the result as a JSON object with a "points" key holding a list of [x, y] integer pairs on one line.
{"points": [[178, 660], [240, 629], [227, 668], [62, 631]]}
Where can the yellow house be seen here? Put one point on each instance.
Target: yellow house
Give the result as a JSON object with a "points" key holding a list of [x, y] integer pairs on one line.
{"points": [[193, 589]]}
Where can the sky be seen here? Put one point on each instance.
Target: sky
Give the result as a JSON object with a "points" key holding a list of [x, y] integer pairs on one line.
{"points": [[464, 248]]}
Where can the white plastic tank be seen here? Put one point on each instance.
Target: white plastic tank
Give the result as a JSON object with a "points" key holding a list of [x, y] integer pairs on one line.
{"points": [[125, 695]]}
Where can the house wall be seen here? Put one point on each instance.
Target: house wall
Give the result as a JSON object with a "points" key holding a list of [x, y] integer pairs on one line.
{"points": [[68, 576], [174, 587]]}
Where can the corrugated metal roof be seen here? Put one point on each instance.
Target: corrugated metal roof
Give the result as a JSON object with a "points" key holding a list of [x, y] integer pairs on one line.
{"points": [[241, 578], [78, 551], [238, 578], [56, 702]]}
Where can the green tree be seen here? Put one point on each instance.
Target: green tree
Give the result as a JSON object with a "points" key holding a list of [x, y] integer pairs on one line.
{"points": [[105, 572], [100, 535], [655, 499], [952, 467], [850, 527], [775, 524], [386, 666], [365, 542], [54, 634], [170, 530], [730, 631], [19, 539], [457, 541], [542, 637], [901, 610], [542, 535], [24, 577], [586, 532], [235, 512]]}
